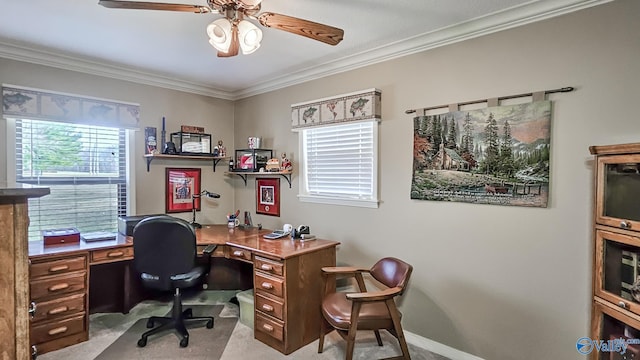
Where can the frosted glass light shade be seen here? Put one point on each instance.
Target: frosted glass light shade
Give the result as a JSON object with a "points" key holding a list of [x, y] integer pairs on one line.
{"points": [[250, 37], [219, 33], [250, 3]]}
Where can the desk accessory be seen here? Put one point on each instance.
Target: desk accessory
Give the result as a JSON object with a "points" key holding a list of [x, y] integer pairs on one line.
{"points": [[193, 204], [276, 234], [98, 236], [60, 236]]}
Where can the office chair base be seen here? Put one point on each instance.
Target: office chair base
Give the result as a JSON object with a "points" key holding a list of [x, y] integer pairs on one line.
{"points": [[177, 321]]}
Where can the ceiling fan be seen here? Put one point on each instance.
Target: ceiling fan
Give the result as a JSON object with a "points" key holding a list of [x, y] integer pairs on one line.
{"points": [[233, 32]]}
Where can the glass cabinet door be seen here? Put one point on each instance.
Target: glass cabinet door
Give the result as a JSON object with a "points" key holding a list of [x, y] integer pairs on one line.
{"points": [[618, 280], [618, 191], [611, 326]]}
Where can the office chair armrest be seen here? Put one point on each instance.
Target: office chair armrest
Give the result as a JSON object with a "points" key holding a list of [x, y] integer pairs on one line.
{"points": [[209, 249], [375, 295]]}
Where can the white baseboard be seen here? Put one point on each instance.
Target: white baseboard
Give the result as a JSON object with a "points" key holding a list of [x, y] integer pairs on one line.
{"points": [[438, 348]]}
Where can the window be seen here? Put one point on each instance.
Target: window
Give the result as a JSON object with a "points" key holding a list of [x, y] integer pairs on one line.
{"points": [[85, 167], [339, 164]]}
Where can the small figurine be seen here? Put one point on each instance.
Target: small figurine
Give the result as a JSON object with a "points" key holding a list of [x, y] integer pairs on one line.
{"points": [[221, 150], [285, 164]]}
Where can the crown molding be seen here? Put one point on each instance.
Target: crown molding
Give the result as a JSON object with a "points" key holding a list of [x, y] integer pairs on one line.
{"points": [[530, 12], [506, 19]]}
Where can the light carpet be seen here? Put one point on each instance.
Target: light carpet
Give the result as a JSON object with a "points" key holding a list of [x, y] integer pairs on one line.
{"points": [[105, 329]]}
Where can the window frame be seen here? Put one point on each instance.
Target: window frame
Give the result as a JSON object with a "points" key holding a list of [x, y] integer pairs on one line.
{"points": [[306, 197], [129, 177]]}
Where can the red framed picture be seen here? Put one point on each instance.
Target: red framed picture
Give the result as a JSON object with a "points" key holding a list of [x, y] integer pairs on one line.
{"points": [[180, 185], [268, 196]]}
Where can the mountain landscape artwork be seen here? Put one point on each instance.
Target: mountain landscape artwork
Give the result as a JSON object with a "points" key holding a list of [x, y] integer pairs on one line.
{"points": [[497, 155]]}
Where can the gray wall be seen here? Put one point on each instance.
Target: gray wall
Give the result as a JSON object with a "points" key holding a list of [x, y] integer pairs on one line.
{"points": [[498, 282]]}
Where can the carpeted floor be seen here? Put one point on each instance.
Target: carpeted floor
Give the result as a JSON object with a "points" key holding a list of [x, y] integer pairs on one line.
{"points": [[109, 339]]}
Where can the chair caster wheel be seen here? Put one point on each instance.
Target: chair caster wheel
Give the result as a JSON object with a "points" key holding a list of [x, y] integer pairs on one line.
{"points": [[184, 342], [142, 342], [210, 324], [150, 324]]}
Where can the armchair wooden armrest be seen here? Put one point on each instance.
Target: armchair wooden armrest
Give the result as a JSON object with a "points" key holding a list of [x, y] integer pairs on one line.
{"points": [[346, 270], [375, 295]]}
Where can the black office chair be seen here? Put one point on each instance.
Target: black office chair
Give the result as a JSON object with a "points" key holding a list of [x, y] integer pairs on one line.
{"points": [[164, 250]]}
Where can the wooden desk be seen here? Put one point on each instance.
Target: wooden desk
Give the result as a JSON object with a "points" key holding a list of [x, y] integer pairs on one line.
{"points": [[286, 274]]}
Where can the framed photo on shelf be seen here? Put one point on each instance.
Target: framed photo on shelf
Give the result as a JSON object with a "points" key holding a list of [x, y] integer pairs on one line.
{"points": [[268, 196], [180, 185]]}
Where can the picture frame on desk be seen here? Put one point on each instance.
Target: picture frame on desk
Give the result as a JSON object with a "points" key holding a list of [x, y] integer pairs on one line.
{"points": [[268, 196], [180, 185]]}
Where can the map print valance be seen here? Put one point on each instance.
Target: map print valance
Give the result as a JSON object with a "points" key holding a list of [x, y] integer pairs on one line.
{"points": [[38, 104], [356, 106]]}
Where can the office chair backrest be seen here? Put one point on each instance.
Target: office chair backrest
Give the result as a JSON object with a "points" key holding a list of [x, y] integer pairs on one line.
{"points": [[392, 272], [163, 246]]}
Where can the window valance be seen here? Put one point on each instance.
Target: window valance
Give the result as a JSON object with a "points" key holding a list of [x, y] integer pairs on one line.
{"points": [[54, 106], [356, 106]]}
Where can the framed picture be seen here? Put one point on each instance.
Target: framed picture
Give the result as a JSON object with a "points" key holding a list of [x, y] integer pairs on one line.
{"points": [[268, 196], [180, 185]]}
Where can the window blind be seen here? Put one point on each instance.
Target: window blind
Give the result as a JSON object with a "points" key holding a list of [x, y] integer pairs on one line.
{"points": [[85, 167], [339, 160]]}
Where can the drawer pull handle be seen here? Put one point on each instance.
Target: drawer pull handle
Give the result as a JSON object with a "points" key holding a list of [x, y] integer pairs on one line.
{"points": [[625, 225], [58, 287], [266, 285], [266, 267], [267, 308], [238, 253], [58, 330], [267, 327], [32, 309], [115, 254], [58, 268], [58, 310]]}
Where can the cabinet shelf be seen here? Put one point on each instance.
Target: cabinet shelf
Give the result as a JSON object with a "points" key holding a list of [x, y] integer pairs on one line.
{"points": [[214, 159], [245, 174]]}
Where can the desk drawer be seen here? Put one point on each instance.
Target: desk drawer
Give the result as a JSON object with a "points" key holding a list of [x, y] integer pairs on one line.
{"points": [[59, 307], [57, 329], [56, 267], [269, 284], [110, 255], [239, 254], [58, 285], [269, 266], [270, 327], [269, 306]]}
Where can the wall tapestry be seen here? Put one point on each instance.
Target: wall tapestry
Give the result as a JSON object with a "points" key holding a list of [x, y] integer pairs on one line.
{"points": [[497, 155]]}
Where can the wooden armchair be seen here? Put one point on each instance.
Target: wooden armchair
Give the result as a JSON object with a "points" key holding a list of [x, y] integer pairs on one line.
{"points": [[349, 312]]}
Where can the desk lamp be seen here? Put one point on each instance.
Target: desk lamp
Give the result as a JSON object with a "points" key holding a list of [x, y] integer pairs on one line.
{"points": [[193, 205]]}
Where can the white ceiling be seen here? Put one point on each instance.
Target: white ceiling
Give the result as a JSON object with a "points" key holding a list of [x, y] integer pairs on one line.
{"points": [[171, 49]]}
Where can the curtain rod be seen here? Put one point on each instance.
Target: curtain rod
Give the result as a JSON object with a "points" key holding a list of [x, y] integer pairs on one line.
{"points": [[564, 89]]}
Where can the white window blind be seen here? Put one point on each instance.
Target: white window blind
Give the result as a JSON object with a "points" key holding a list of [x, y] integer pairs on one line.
{"points": [[85, 167], [339, 163]]}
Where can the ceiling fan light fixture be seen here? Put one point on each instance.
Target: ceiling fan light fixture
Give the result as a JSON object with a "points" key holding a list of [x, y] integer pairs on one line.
{"points": [[250, 37], [219, 33], [250, 3]]}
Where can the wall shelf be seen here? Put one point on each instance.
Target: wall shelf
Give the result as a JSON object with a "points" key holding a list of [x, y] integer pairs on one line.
{"points": [[214, 159], [245, 174]]}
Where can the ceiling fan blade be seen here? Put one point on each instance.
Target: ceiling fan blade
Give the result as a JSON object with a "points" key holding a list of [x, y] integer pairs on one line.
{"points": [[141, 5], [313, 30], [235, 44]]}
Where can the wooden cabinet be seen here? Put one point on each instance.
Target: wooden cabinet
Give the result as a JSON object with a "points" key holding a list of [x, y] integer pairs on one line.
{"points": [[59, 300], [616, 272], [288, 293], [14, 269]]}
